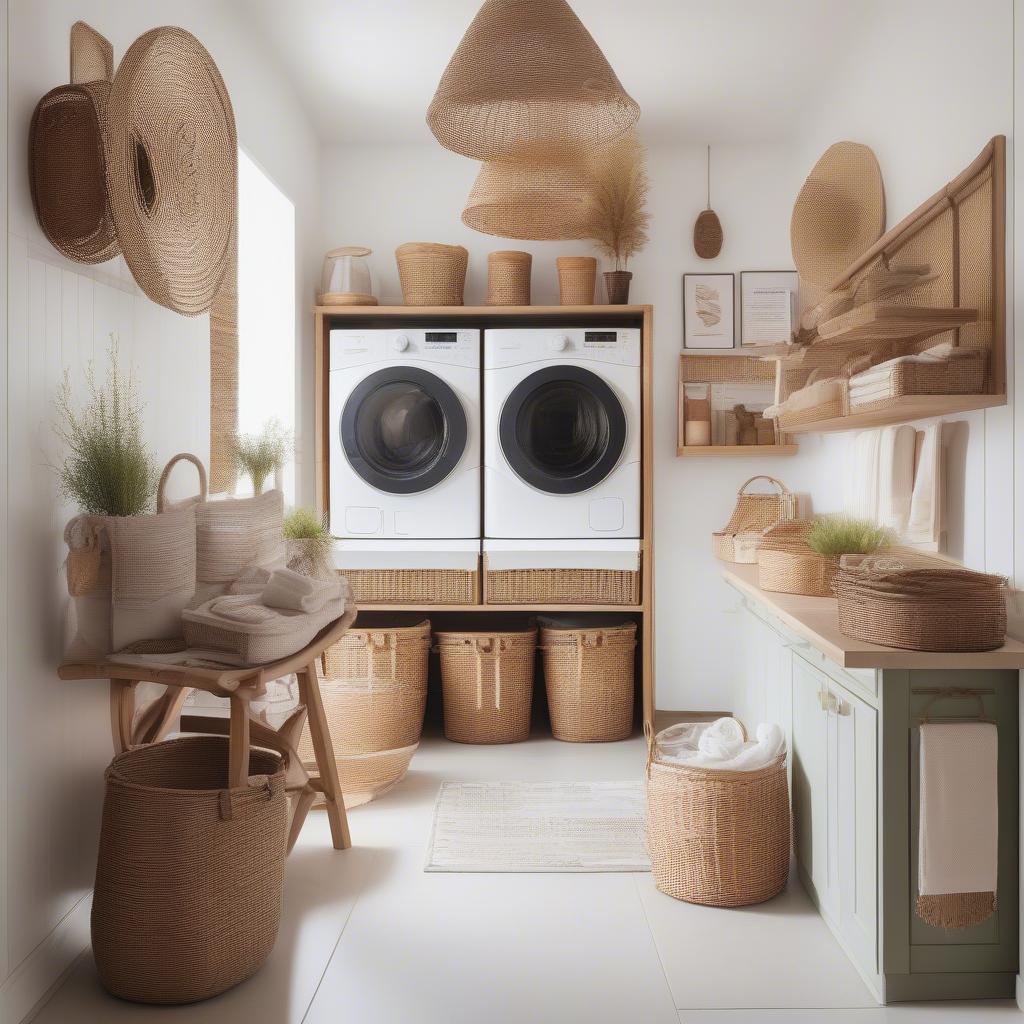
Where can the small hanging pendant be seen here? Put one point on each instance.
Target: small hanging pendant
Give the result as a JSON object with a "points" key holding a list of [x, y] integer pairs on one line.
{"points": [[707, 231]]}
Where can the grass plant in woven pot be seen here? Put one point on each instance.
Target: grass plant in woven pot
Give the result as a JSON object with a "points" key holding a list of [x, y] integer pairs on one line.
{"points": [[308, 544]]}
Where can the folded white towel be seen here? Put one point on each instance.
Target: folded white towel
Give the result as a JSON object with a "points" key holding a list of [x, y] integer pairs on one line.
{"points": [[689, 744], [241, 608], [289, 589]]}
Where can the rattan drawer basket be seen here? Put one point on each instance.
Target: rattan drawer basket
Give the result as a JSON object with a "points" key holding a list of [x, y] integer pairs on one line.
{"points": [[715, 837], [487, 682], [589, 676], [561, 586], [414, 586]]}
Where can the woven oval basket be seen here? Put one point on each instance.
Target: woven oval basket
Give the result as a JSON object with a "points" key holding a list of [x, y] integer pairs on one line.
{"points": [[432, 274], [936, 609], [589, 678], [189, 874], [364, 777], [718, 838], [487, 682]]}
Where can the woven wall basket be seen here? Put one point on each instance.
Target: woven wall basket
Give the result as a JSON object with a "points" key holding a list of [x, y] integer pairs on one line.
{"points": [[528, 78], [718, 838], [531, 199], [189, 874], [754, 513]]}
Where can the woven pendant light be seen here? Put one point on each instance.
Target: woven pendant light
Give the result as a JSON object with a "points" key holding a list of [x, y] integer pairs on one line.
{"points": [[530, 200], [528, 80], [707, 231]]}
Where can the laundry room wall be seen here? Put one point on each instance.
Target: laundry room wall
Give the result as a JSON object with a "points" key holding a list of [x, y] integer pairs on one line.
{"points": [[383, 195], [56, 736]]}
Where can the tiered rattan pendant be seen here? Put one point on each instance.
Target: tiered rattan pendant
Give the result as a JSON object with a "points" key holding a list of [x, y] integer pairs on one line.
{"points": [[528, 80]]}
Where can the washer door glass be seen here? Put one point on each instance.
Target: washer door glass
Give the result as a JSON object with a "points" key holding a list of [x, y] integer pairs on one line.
{"points": [[562, 429], [403, 429]]}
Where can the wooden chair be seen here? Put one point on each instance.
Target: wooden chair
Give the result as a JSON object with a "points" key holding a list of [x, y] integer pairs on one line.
{"points": [[239, 685]]}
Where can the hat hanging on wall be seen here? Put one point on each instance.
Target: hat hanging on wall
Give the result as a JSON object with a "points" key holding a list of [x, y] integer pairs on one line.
{"points": [[530, 199], [528, 79], [172, 168], [67, 172], [707, 231], [839, 213]]}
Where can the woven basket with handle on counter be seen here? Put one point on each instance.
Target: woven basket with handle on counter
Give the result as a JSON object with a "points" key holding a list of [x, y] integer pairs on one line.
{"points": [[754, 513]]}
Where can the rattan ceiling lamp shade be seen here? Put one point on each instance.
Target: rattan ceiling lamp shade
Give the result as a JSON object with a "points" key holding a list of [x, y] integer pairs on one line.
{"points": [[527, 80], [530, 200], [172, 169], [838, 214], [67, 164]]}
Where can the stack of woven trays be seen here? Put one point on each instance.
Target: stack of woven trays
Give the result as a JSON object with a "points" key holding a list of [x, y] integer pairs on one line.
{"points": [[374, 693], [885, 601]]}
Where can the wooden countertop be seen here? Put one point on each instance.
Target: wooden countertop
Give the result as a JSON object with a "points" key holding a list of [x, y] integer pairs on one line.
{"points": [[816, 620]]}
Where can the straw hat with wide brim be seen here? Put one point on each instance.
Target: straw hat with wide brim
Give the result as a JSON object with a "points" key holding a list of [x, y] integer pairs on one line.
{"points": [[67, 163], [172, 169], [838, 214]]}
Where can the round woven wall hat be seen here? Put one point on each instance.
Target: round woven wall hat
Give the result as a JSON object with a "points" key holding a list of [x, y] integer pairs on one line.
{"points": [[530, 200], [528, 79], [172, 168], [67, 173], [839, 213]]}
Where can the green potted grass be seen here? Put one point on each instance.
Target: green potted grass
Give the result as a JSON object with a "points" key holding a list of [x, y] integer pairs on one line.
{"points": [[308, 544], [262, 456]]}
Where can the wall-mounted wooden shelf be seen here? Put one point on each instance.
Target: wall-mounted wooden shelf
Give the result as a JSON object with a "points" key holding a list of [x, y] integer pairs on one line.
{"points": [[916, 407], [626, 609], [735, 451]]}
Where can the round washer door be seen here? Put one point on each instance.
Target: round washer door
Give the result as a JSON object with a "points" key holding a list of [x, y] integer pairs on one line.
{"points": [[562, 429], [403, 429]]}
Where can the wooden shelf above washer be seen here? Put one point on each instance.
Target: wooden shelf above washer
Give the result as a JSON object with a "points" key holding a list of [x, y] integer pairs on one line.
{"points": [[735, 451]]}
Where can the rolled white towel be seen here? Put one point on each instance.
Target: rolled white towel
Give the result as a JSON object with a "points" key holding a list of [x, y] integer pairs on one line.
{"points": [[722, 740], [292, 590]]}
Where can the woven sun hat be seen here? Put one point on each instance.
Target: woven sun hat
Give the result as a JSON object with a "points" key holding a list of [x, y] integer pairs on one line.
{"points": [[838, 214], [67, 163], [172, 169]]}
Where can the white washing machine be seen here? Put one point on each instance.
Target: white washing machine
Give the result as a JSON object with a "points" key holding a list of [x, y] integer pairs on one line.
{"points": [[562, 433], [405, 433]]}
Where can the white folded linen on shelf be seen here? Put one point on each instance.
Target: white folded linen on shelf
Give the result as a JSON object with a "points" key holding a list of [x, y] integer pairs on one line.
{"points": [[818, 393], [959, 827], [289, 589], [720, 745]]}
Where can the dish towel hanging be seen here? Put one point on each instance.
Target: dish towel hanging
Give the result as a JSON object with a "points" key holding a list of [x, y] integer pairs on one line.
{"points": [[896, 476], [959, 825], [924, 525], [862, 480]]}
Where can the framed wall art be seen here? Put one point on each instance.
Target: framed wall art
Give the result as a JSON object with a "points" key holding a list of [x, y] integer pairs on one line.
{"points": [[768, 306], [708, 320]]}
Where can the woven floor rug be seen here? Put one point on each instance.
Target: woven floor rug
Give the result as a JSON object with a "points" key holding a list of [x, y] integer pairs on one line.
{"points": [[538, 826]]}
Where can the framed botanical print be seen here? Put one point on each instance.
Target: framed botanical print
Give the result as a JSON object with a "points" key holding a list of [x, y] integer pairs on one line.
{"points": [[708, 320]]}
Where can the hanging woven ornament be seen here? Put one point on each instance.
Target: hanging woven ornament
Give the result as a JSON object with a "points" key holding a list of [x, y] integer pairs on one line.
{"points": [[527, 79], [531, 200], [707, 231]]}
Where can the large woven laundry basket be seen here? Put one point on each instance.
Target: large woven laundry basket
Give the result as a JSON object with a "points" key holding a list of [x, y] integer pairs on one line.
{"points": [[189, 874], [487, 680], [589, 674], [718, 838]]}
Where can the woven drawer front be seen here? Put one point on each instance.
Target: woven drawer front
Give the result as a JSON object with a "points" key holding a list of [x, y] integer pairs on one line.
{"points": [[414, 586], [561, 586]]}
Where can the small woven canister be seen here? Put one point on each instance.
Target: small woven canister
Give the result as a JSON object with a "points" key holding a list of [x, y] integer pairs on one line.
{"points": [[508, 278], [577, 279]]}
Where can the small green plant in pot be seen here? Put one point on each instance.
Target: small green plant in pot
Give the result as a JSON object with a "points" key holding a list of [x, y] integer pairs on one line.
{"points": [[836, 535], [263, 455], [308, 543]]}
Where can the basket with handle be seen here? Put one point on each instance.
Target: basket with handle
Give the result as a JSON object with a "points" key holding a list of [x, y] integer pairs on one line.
{"points": [[487, 683], [754, 513]]}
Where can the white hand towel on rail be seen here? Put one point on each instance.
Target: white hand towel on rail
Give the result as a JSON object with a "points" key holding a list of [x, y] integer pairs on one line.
{"points": [[959, 827], [924, 525], [896, 476]]}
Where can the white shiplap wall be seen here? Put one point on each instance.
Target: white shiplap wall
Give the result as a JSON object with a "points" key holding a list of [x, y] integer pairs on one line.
{"points": [[60, 318]]}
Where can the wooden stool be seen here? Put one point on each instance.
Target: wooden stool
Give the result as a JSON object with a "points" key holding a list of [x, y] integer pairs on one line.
{"points": [[239, 685]]}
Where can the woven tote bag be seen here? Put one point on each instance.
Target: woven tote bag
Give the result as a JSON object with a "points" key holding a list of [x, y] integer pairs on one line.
{"points": [[754, 513], [189, 874]]}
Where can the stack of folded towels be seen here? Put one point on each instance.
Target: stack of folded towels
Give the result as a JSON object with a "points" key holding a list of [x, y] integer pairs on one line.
{"points": [[261, 595]]}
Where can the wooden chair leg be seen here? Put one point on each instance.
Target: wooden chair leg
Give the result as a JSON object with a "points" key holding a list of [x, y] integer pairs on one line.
{"points": [[155, 721], [301, 803], [309, 694], [238, 743], [122, 713]]}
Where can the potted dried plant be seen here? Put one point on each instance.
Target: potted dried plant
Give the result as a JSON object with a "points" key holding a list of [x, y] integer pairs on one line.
{"points": [[617, 218], [308, 544], [263, 455]]}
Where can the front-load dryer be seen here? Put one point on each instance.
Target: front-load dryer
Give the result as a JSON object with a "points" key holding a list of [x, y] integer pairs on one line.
{"points": [[404, 452], [562, 411]]}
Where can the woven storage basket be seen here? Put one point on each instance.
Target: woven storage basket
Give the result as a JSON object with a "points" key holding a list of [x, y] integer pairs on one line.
{"points": [[786, 565], [561, 586], [589, 677], [508, 278], [938, 609], [414, 586], [189, 874], [577, 280], [754, 513], [487, 681], [364, 777], [432, 274], [718, 838]]}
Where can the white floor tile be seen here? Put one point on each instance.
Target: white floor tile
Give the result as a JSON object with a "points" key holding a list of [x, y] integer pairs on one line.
{"points": [[993, 1012]]}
